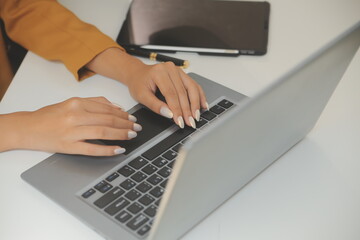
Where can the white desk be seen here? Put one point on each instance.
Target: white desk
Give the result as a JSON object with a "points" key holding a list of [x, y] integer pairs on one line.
{"points": [[313, 192]]}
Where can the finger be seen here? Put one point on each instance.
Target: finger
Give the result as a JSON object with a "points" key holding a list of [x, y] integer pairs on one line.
{"points": [[108, 120], [173, 90], [90, 105], [194, 94], [203, 100], [156, 105], [100, 100], [166, 86], [106, 101], [176, 78], [102, 105], [104, 133], [91, 149]]}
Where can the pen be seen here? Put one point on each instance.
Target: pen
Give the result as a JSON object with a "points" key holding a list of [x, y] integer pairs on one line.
{"points": [[157, 57]]}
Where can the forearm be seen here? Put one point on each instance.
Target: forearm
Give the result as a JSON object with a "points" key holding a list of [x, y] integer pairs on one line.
{"points": [[114, 63]]}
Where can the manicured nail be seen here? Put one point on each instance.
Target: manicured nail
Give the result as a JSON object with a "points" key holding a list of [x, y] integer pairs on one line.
{"points": [[119, 151], [132, 134], [117, 105], [207, 106], [164, 111], [137, 127], [132, 118], [192, 122], [197, 115], [180, 122]]}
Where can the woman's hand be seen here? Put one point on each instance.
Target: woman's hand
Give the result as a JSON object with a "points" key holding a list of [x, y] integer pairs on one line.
{"points": [[184, 97], [65, 127]]}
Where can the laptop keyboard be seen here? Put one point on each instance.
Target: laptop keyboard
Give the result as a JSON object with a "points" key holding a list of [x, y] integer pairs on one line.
{"points": [[132, 193]]}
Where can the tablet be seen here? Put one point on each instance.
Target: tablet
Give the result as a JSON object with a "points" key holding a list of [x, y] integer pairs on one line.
{"points": [[202, 26]]}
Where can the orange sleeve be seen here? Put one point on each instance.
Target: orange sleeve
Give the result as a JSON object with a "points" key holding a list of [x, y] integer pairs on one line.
{"points": [[48, 29]]}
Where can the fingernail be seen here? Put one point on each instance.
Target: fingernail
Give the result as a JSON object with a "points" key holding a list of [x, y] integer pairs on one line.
{"points": [[192, 122], [207, 106], [164, 111], [117, 105], [132, 118], [137, 127], [197, 115], [132, 134], [181, 122], [119, 151]]}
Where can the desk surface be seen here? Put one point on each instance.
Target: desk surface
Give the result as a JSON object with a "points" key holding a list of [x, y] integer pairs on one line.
{"points": [[312, 192]]}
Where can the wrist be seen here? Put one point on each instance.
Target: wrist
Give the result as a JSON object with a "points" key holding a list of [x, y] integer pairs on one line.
{"points": [[116, 64], [130, 67], [12, 131]]}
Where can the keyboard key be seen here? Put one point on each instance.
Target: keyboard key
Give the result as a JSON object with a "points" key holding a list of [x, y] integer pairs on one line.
{"points": [[123, 216], [177, 147], [138, 177], [106, 188], [112, 177], [157, 203], [135, 208], [137, 222], [146, 199], [171, 164], [163, 184], [149, 169], [100, 185], [118, 205], [143, 187], [127, 184], [154, 179], [225, 103], [164, 172], [151, 222], [208, 115], [217, 109], [103, 186], [157, 192], [132, 195], [151, 211], [142, 231], [184, 141], [126, 171], [159, 162], [168, 142], [201, 123], [170, 155], [109, 197], [88, 193], [138, 163]]}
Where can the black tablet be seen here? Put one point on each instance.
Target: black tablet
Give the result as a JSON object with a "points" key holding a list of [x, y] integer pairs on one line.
{"points": [[202, 26]]}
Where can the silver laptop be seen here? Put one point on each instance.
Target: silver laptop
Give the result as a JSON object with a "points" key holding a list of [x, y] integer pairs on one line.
{"points": [[141, 195]]}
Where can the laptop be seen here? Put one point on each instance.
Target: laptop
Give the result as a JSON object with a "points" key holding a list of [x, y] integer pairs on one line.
{"points": [[141, 195]]}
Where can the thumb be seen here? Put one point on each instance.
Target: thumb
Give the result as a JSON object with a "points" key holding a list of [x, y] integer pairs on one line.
{"points": [[156, 105]]}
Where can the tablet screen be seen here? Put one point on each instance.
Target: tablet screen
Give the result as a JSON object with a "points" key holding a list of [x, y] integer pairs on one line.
{"points": [[205, 26]]}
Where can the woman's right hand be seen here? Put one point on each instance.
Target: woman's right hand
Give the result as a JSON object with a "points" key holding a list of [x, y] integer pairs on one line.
{"points": [[64, 127]]}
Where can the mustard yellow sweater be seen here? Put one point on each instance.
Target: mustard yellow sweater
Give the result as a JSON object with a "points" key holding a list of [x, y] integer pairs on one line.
{"points": [[48, 29]]}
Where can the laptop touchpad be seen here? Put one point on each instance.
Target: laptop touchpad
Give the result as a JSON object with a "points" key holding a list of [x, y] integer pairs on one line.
{"points": [[152, 124]]}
